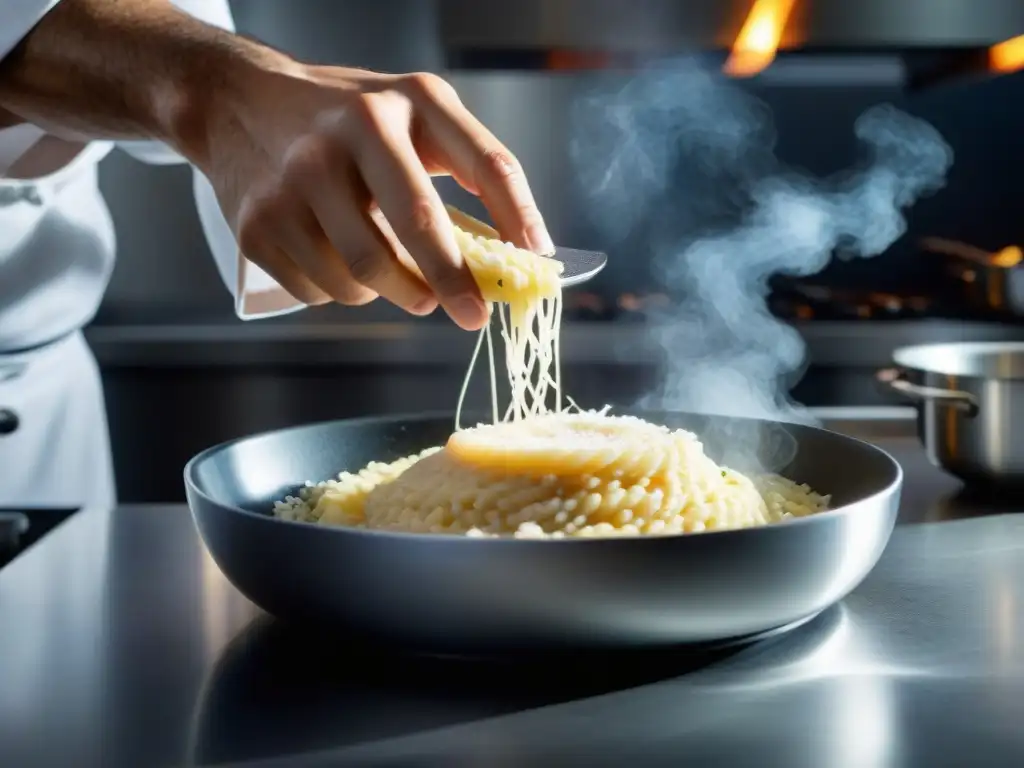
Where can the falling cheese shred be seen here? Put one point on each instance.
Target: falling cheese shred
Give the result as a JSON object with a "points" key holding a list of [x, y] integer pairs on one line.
{"points": [[525, 292]]}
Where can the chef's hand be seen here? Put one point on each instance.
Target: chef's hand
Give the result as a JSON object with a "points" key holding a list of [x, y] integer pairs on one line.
{"points": [[324, 172]]}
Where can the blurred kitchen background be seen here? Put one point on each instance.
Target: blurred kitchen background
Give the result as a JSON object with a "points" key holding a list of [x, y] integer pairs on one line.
{"points": [[181, 372]]}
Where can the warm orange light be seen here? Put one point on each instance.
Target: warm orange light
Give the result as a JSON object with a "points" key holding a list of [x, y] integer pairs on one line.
{"points": [[1008, 56], [758, 39], [1008, 257]]}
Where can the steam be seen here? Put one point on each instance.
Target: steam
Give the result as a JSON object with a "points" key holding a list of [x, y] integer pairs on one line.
{"points": [[680, 164]]}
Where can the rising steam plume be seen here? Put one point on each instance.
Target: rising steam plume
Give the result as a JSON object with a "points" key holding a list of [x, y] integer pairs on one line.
{"points": [[680, 164]]}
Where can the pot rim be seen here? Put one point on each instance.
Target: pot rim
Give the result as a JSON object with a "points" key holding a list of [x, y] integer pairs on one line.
{"points": [[980, 360]]}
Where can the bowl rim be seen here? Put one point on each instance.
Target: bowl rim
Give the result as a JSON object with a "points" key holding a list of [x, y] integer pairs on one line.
{"points": [[192, 488]]}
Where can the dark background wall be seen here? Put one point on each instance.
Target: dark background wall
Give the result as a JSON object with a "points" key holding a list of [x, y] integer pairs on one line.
{"points": [[163, 259]]}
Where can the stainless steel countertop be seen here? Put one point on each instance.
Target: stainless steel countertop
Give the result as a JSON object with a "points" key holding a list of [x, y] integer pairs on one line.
{"points": [[122, 644]]}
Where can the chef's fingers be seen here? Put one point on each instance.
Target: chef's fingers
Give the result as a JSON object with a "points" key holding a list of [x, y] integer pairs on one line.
{"points": [[343, 211], [402, 189], [302, 239], [335, 241], [266, 235], [275, 262], [452, 137]]}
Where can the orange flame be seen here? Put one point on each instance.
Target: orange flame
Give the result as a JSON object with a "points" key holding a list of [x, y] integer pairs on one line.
{"points": [[758, 39], [1008, 257], [1007, 56]]}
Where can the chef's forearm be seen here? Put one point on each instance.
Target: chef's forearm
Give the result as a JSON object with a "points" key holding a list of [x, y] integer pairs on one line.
{"points": [[128, 69]]}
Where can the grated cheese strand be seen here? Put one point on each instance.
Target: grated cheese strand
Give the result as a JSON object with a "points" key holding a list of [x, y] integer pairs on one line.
{"points": [[527, 291]]}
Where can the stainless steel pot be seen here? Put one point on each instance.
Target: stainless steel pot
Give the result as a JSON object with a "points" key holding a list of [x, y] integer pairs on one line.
{"points": [[971, 398]]}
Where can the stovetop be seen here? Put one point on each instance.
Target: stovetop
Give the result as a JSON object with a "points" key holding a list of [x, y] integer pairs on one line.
{"points": [[795, 303]]}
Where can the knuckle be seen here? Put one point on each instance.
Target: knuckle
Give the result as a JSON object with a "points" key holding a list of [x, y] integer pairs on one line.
{"points": [[448, 280], [499, 163], [367, 112], [365, 266], [431, 86], [308, 157], [422, 217]]}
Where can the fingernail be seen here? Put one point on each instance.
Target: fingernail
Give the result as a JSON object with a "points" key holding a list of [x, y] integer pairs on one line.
{"points": [[540, 241], [468, 311]]}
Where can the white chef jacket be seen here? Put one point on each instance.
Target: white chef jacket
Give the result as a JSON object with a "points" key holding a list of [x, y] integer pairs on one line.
{"points": [[57, 245]]}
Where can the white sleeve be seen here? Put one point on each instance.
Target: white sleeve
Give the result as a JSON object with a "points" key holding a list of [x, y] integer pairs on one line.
{"points": [[256, 294], [17, 17]]}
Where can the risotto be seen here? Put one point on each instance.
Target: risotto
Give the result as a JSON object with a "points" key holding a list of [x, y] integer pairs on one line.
{"points": [[660, 486]]}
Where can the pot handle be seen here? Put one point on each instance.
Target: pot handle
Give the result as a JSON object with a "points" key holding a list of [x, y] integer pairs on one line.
{"points": [[895, 379]]}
